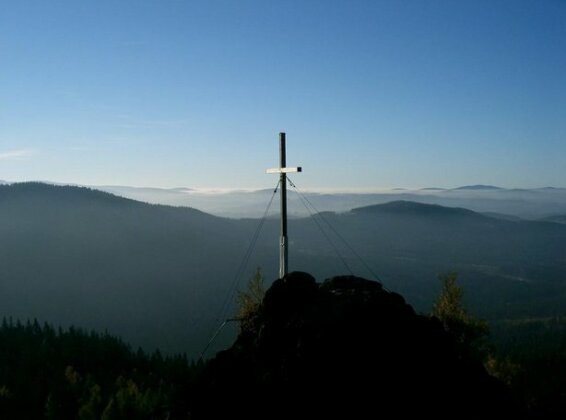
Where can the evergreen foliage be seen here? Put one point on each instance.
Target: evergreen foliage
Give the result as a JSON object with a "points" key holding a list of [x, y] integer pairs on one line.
{"points": [[73, 374], [531, 357], [55, 373], [249, 301], [470, 332]]}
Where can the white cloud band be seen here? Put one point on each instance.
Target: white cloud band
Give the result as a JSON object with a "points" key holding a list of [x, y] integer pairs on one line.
{"points": [[17, 154]]}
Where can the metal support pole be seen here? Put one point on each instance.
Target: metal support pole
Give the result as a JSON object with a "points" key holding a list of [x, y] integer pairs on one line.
{"points": [[282, 171], [283, 255]]}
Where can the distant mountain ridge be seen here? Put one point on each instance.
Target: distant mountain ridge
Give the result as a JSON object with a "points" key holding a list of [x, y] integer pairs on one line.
{"points": [[73, 254], [158, 275], [478, 187], [413, 208], [561, 218], [531, 204], [39, 191], [525, 203]]}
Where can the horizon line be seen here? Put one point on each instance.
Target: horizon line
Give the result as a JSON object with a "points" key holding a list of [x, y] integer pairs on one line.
{"points": [[312, 190]]}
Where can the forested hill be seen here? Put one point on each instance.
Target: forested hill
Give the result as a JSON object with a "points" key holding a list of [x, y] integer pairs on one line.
{"points": [[149, 273], [510, 268], [345, 348], [410, 208], [56, 374], [158, 275], [68, 201]]}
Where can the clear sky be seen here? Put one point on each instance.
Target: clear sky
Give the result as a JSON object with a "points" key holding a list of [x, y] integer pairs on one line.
{"points": [[372, 94]]}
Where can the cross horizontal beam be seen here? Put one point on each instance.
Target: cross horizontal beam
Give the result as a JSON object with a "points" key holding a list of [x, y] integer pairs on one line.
{"points": [[283, 170]]}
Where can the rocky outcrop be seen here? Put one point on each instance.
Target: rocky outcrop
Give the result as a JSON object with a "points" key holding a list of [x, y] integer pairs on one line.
{"points": [[347, 349]]}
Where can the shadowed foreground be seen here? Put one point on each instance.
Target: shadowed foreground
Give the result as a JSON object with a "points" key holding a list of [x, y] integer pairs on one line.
{"points": [[345, 348]]}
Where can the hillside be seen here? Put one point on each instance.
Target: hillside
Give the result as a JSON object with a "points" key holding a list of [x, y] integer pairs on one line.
{"points": [[410, 208], [478, 187], [49, 373], [158, 275], [561, 218], [534, 203], [343, 348], [510, 267], [145, 272]]}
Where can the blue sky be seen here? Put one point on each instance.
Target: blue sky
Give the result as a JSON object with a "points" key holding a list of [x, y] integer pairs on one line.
{"points": [[372, 94]]}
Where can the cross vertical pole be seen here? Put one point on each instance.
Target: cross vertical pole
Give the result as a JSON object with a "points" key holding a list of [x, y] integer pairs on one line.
{"points": [[282, 171], [283, 248]]}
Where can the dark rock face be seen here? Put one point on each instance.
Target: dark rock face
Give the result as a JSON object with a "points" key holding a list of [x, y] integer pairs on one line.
{"points": [[347, 349]]}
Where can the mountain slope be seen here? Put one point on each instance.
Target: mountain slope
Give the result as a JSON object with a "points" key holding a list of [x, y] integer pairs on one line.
{"points": [[561, 218], [73, 255], [411, 208], [507, 267], [524, 203], [158, 275], [478, 187]]}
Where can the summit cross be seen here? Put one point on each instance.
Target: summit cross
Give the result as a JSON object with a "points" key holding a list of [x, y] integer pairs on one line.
{"points": [[283, 171]]}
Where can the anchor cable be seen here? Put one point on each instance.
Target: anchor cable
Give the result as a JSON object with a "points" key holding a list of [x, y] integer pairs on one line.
{"points": [[222, 314], [304, 199]]}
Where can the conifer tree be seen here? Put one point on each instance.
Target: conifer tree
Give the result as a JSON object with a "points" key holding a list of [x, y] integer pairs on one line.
{"points": [[468, 331], [249, 301]]}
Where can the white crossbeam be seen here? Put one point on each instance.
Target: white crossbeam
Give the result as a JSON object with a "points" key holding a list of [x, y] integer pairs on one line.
{"points": [[283, 170]]}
